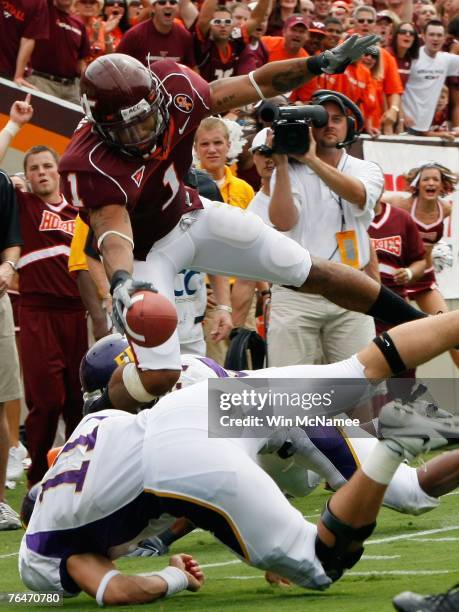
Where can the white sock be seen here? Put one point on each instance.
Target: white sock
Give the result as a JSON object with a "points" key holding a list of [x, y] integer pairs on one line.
{"points": [[382, 463]]}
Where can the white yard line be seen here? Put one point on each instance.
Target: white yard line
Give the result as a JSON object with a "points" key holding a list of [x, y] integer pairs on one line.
{"points": [[452, 539], [221, 564], [370, 573], [379, 557], [9, 555], [401, 573], [408, 536]]}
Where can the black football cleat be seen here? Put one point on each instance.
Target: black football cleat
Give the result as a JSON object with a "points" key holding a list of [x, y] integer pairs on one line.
{"points": [[413, 602]]}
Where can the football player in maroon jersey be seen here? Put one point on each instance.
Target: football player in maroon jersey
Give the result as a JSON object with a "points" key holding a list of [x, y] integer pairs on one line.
{"points": [[125, 165]]}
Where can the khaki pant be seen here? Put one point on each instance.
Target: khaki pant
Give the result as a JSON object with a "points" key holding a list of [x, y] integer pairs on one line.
{"points": [[70, 93], [303, 327], [10, 379]]}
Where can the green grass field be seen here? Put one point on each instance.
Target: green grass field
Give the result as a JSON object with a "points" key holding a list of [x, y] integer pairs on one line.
{"points": [[404, 553]]}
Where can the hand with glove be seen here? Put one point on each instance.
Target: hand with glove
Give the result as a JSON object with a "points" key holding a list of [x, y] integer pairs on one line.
{"points": [[122, 286], [336, 60], [150, 547]]}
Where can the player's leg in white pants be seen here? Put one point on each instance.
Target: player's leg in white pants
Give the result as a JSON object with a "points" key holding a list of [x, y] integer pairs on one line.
{"points": [[215, 484], [220, 239]]}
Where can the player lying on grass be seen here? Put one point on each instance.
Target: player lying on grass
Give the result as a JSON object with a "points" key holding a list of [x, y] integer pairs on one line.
{"points": [[326, 453], [119, 474]]}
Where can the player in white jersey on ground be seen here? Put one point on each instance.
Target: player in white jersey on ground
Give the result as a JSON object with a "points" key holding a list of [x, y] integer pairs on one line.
{"points": [[94, 502]]}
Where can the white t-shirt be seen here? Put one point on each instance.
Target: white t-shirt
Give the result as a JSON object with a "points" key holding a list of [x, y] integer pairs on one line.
{"points": [[259, 205], [422, 91], [320, 216]]}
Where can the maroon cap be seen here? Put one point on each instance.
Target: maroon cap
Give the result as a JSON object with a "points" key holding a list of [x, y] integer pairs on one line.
{"points": [[318, 27], [294, 20]]}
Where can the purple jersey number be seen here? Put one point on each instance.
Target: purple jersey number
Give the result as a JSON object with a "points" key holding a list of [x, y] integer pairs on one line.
{"points": [[77, 476]]}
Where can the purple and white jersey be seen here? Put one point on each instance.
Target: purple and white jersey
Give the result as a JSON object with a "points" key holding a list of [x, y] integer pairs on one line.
{"points": [[91, 499]]}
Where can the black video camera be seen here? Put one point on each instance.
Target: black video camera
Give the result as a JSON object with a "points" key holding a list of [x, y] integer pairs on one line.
{"points": [[290, 125]]}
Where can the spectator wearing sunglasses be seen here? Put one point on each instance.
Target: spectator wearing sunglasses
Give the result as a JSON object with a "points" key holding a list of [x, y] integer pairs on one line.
{"points": [[392, 88], [218, 44], [405, 48], [160, 37], [116, 20], [373, 102]]}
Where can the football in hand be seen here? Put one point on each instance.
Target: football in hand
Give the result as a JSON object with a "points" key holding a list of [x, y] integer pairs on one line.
{"points": [[151, 319]]}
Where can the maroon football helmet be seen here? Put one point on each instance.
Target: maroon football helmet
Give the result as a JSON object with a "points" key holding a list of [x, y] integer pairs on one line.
{"points": [[126, 102]]}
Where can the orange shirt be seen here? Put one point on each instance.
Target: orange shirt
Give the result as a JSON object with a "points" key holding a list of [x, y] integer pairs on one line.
{"points": [[276, 49], [391, 81], [353, 83], [337, 82]]}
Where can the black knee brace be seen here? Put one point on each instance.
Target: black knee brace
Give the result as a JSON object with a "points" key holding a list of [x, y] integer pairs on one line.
{"points": [[387, 347], [338, 558]]}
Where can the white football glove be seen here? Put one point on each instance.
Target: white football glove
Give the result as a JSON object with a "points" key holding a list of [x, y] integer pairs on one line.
{"points": [[442, 256], [336, 60], [122, 287]]}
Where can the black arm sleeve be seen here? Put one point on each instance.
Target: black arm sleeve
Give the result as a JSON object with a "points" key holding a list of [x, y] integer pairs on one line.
{"points": [[90, 249], [10, 231]]}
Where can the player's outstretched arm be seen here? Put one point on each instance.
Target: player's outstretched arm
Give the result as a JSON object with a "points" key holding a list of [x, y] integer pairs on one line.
{"points": [[113, 233], [280, 77], [416, 342], [98, 576]]}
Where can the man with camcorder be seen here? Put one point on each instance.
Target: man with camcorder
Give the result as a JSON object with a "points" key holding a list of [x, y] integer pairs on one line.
{"points": [[324, 199]]}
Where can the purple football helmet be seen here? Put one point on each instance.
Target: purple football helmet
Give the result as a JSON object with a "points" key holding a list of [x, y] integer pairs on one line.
{"points": [[101, 361]]}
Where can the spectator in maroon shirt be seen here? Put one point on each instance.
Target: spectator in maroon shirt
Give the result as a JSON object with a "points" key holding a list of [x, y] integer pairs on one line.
{"points": [[22, 23], [218, 43], [405, 48], [58, 62], [255, 53], [160, 37]]}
